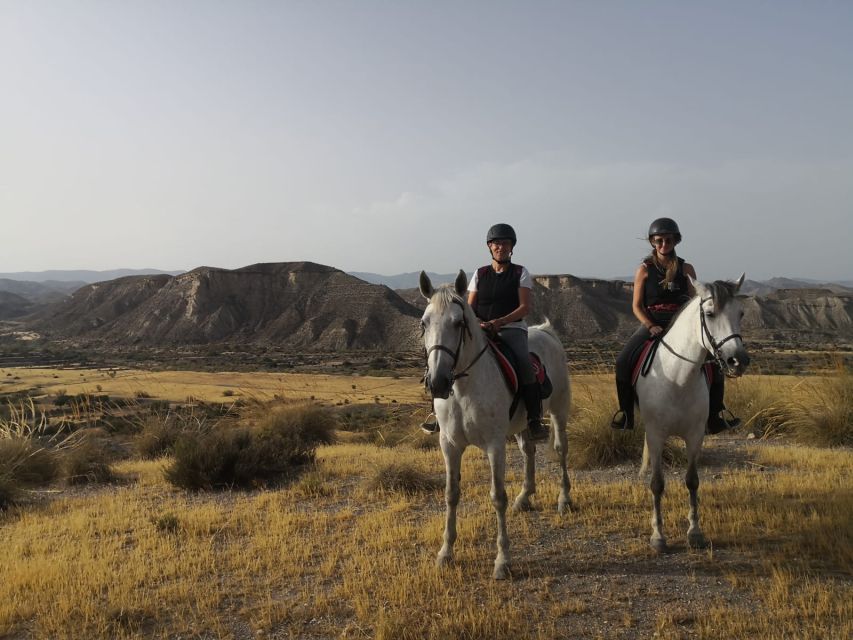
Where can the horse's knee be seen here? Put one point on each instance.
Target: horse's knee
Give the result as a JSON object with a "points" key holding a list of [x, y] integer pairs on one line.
{"points": [[499, 500], [451, 496], [691, 479], [657, 483]]}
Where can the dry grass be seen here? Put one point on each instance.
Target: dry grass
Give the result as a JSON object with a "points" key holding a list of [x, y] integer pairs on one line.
{"points": [[346, 550]]}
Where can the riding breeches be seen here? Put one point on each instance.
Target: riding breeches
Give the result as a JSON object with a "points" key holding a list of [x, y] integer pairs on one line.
{"points": [[516, 340], [623, 360]]}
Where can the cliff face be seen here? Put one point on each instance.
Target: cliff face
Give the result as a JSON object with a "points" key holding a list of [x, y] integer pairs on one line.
{"points": [[311, 307], [299, 305]]}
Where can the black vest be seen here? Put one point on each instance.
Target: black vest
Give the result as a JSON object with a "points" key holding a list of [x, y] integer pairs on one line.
{"points": [[497, 293], [655, 294]]}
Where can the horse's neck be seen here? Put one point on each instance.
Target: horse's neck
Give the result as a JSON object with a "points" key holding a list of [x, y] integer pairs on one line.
{"points": [[481, 373], [682, 353]]}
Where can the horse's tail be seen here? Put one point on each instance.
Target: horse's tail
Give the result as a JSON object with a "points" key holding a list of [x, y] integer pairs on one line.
{"points": [[645, 466], [547, 327]]}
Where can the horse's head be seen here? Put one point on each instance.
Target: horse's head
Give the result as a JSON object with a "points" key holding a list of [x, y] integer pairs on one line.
{"points": [[720, 314], [444, 327]]}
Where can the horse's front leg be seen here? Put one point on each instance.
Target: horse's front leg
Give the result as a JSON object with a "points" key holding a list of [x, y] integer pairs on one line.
{"points": [[497, 461], [528, 487], [657, 540], [695, 537], [452, 467]]}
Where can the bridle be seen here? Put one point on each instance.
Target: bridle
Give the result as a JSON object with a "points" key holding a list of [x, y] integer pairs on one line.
{"points": [[715, 347], [455, 354]]}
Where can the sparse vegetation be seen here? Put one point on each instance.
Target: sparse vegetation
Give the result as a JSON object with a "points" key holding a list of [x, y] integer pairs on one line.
{"points": [[341, 549]]}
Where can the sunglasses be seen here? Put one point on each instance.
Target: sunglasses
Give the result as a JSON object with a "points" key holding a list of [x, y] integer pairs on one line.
{"points": [[661, 240]]}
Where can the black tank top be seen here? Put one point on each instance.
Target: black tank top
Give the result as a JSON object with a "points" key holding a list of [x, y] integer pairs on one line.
{"points": [[497, 293], [663, 301]]}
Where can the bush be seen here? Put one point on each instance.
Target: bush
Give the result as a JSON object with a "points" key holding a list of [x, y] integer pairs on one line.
{"points": [[86, 463], [825, 417], [280, 442], [401, 478]]}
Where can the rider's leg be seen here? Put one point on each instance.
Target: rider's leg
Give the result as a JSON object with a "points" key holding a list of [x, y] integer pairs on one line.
{"points": [[516, 339], [624, 417], [716, 421]]}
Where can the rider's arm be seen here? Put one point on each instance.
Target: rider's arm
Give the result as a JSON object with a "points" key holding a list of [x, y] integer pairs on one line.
{"points": [[638, 303], [525, 306]]}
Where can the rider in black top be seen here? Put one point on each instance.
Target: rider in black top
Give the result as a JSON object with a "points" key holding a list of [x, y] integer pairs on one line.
{"points": [[661, 288]]}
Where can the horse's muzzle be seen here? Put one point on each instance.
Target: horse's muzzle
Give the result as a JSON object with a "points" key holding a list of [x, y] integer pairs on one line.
{"points": [[439, 385], [736, 364]]}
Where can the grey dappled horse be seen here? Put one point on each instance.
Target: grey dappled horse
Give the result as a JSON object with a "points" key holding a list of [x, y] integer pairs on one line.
{"points": [[673, 395], [472, 403]]}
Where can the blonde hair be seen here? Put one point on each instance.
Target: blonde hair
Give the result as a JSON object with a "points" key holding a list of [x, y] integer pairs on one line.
{"points": [[670, 269]]}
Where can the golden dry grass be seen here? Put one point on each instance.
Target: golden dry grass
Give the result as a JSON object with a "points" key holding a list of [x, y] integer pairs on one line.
{"points": [[336, 553], [177, 386]]}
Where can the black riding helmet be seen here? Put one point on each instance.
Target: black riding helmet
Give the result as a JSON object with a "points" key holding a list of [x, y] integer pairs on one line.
{"points": [[662, 226], [501, 231]]}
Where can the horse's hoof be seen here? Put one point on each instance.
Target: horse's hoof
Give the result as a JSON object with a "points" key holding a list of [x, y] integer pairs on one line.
{"points": [[443, 560], [659, 545], [501, 572], [522, 504], [696, 541], [564, 507]]}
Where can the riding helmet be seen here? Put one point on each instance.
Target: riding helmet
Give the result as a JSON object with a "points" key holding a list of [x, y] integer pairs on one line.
{"points": [[664, 225], [501, 231]]}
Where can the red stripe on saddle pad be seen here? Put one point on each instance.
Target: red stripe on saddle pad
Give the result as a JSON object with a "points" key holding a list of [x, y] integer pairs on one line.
{"points": [[638, 365], [506, 367]]}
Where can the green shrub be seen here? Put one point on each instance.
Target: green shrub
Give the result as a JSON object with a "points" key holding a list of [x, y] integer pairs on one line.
{"points": [[278, 444]]}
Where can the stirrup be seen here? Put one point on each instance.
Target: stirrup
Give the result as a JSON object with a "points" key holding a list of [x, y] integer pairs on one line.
{"points": [[537, 432], [623, 423], [430, 425], [718, 423]]}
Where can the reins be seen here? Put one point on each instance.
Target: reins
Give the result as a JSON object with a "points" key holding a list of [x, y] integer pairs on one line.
{"points": [[715, 347], [455, 354]]}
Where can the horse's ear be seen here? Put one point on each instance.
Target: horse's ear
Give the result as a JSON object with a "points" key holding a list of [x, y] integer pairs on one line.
{"points": [[425, 286], [461, 283], [700, 288], [739, 282]]}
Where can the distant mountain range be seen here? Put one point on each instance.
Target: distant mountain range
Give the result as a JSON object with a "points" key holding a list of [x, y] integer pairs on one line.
{"points": [[81, 275], [304, 306]]}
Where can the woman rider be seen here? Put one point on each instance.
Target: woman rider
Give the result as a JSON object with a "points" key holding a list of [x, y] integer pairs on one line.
{"points": [[500, 295], [661, 288]]}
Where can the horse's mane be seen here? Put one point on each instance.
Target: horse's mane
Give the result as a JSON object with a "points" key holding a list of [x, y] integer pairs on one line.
{"points": [[721, 292], [444, 296]]}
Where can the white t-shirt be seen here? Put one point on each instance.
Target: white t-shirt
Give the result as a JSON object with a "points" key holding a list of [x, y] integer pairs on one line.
{"points": [[525, 281]]}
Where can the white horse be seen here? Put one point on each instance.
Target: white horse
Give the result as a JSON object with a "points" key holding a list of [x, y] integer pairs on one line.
{"points": [[673, 396], [472, 404]]}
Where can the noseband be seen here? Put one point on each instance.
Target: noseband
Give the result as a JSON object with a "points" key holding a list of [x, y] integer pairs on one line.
{"points": [[715, 346], [455, 354]]}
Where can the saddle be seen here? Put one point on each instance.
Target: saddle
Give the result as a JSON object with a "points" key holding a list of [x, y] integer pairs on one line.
{"points": [[507, 361], [644, 356]]}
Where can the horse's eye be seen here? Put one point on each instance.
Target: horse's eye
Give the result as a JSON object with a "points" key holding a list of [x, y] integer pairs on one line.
{"points": [[709, 314]]}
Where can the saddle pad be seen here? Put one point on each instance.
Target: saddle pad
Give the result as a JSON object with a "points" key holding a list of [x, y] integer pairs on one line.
{"points": [[643, 360], [640, 359], [508, 368]]}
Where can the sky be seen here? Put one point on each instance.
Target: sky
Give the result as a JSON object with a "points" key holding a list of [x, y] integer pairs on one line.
{"points": [[387, 137]]}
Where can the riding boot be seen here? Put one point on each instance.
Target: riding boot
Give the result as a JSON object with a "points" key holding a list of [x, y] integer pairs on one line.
{"points": [[624, 417], [533, 404], [716, 422]]}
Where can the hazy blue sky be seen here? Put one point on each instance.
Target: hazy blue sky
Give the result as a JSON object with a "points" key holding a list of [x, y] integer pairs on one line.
{"points": [[388, 136]]}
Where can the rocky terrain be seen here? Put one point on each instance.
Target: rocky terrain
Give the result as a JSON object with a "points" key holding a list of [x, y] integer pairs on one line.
{"points": [[301, 308]]}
